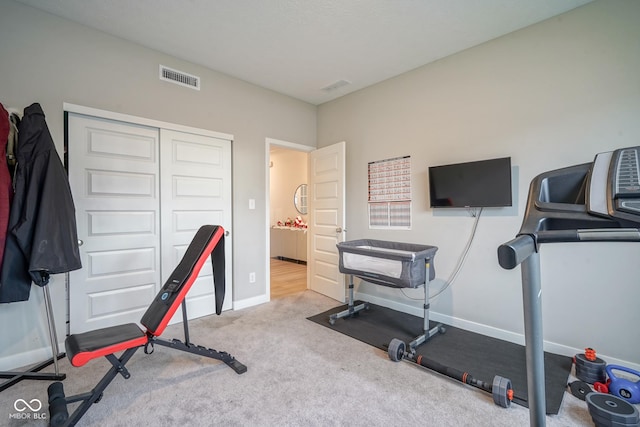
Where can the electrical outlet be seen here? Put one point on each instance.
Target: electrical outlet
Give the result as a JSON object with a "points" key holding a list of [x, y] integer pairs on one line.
{"points": [[252, 277]]}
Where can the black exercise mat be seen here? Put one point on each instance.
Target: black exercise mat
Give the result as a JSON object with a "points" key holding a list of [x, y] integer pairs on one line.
{"points": [[481, 356]]}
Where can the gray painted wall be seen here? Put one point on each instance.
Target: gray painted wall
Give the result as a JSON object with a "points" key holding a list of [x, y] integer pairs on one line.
{"points": [[549, 96], [49, 60]]}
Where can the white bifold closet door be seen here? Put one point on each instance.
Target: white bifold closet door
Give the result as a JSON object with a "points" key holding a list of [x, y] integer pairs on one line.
{"points": [[141, 193]]}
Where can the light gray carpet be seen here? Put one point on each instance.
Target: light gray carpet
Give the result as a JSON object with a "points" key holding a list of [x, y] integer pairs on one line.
{"points": [[299, 374]]}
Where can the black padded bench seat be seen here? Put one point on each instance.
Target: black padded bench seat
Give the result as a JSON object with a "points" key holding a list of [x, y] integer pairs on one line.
{"points": [[86, 346]]}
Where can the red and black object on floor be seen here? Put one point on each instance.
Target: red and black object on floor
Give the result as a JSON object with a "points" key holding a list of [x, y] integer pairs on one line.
{"points": [[128, 338]]}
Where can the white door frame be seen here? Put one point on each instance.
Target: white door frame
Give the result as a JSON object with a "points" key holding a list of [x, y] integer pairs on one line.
{"points": [[269, 142]]}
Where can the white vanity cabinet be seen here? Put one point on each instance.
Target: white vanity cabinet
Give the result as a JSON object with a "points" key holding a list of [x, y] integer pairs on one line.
{"points": [[289, 243]]}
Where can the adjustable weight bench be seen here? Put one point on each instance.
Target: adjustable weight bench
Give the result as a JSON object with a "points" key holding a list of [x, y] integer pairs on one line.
{"points": [[128, 338]]}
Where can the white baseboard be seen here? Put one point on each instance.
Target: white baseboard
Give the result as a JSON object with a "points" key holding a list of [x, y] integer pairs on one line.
{"points": [[486, 330], [250, 302]]}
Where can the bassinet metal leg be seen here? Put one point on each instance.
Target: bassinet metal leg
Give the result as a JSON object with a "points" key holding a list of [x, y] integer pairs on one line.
{"points": [[428, 333], [351, 309]]}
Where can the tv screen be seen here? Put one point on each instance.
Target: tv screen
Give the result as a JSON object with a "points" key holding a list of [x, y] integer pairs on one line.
{"points": [[484, 183]]}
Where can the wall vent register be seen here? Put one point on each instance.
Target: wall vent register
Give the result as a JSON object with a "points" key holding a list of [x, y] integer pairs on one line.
{"points": [[179, 77]]}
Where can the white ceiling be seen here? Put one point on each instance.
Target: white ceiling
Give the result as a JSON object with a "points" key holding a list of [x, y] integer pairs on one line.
{"points": [[299, 47]]}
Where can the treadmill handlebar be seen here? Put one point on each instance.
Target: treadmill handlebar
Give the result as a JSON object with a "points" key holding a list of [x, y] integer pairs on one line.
{"points": [[587, 235], [514, 252], [610, 235]]}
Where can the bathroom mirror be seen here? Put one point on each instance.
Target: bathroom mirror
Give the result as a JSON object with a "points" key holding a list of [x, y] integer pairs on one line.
{"points": [[300, 199]]}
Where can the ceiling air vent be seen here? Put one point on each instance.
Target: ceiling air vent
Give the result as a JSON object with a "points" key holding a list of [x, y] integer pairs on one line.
{"points": [[179, 77], [336, 85]]}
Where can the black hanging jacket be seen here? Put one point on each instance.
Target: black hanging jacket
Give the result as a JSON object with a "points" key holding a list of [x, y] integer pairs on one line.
{"points": [[42, 238]]}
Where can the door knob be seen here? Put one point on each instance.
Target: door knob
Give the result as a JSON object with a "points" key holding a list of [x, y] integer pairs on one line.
{"points": [[340, 230], [226, 233], [80, 242]]}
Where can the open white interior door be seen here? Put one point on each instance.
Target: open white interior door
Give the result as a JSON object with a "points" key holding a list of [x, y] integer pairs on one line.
{"points": [[326, 220]]}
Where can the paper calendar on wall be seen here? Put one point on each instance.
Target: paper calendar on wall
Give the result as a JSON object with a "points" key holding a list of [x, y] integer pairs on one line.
{"points": [[390, 193]]}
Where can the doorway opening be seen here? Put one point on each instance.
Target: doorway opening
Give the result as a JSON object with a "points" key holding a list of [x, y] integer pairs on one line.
{"points": [[287, 218]]}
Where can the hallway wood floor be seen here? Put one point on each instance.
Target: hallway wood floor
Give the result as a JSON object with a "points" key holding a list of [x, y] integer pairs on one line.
{"points": [[287, 278]]}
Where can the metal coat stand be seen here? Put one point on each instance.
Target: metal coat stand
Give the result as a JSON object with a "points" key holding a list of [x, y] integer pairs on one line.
{"points": [[14, 377]]}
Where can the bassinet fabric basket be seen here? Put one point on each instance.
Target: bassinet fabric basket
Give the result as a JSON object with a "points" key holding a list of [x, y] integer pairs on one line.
{"points": [[394, 264]]}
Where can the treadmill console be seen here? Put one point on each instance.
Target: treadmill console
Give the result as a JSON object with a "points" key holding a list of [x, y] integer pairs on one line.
{"points": [[614, 184], [626, 180]]}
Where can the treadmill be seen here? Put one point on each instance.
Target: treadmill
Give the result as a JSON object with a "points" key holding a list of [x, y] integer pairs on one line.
{"points": [[591, 202]]}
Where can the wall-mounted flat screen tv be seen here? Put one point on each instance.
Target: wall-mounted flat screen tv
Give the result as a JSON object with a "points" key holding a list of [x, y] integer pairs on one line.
{"points": [[484, 183]]}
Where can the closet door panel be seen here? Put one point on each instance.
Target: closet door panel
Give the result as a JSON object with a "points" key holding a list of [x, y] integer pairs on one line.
{"points": [[114, 178], [196, 190]]}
